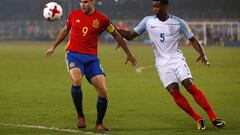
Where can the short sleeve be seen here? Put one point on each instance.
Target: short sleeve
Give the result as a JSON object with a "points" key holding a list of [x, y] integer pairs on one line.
{"points": [[185, 29], [106, 23], [141, 27], [69, 22]]}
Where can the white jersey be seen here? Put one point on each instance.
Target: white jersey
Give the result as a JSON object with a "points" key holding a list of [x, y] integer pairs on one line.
{"points": [[165, 37]]}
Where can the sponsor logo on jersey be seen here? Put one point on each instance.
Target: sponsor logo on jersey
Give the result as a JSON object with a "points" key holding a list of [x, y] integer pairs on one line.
{"points": [[95, 23], [153, 27]]}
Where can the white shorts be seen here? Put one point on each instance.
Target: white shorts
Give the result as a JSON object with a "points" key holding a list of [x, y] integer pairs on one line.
{"points": [[175, 72]]}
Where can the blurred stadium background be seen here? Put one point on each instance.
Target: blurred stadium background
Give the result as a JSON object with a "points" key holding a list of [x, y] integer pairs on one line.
{"points": [[214, 22], [34, 90]]}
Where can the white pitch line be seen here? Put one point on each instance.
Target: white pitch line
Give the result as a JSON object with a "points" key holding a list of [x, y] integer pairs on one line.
{"points": [[140, 69], [49, 128]]}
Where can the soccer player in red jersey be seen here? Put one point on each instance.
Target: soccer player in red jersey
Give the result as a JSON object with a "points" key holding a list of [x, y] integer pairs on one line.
{"points": [[85, 26]]}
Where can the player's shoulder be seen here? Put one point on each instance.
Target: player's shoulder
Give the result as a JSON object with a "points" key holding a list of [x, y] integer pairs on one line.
{"points": [[178, 19], [101, 15], [75, 11], [147, 18]]}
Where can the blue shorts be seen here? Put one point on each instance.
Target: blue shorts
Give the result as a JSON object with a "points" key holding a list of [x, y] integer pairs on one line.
{"points": [[88, 64]]}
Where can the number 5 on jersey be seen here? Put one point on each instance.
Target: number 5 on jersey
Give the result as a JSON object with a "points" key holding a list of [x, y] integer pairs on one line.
{"points": [[162, 38], [84, 30]]}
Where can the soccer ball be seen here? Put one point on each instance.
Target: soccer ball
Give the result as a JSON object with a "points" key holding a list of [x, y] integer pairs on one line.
{"points": [[52, 11]]}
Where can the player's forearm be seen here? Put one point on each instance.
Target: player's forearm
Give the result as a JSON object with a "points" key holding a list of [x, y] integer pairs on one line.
{"points": [[61, 36], [116, 35], [197, 46], [122, 43], [126, 34]]}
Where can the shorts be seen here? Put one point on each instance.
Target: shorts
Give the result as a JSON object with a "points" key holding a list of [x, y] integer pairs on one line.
{"points": [[173, 72], [88, 64]]}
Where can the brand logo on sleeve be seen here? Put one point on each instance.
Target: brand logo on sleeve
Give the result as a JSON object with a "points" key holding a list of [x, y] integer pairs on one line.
{"points": [[77, 21]]}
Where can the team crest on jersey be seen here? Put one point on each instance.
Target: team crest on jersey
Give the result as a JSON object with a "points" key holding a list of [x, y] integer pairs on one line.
{"points": [[171, 28], [71, 65], [95, 23]]}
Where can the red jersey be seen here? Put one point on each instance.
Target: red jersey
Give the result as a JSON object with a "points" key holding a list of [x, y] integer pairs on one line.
{"points": [[85, 31]]}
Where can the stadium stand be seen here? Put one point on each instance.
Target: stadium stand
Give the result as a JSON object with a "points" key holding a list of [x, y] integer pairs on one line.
{"points": [[216, 24]]}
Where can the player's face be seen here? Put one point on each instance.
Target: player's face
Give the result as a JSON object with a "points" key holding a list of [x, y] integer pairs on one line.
{"points": [[159, 9], [87, 5]]}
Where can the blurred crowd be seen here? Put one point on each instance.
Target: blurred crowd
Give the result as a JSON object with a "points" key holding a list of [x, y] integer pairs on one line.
{"points": [[28, 30], [44, 30], [24, 21]]}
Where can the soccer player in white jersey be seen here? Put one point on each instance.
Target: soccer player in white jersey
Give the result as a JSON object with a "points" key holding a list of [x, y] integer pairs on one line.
{"points": [[164, 31]]}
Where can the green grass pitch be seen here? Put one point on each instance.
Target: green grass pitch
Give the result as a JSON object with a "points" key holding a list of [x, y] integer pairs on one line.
{"points": [[35, 90]]}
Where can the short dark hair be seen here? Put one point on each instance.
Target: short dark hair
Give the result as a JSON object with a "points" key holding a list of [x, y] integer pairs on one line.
{"points": [[162, 1]]}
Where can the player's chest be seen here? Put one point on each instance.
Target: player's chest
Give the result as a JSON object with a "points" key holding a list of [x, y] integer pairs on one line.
{"points": [[86, 25], [168, 29]]}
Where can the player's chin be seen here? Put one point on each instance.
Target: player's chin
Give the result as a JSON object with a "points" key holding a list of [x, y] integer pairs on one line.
{"points": [[84, 10], [156, 13]]}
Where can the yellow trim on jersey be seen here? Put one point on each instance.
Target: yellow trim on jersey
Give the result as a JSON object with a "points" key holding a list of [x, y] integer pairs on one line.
{"points": [[110, 28], [67, 45], [189, 29]]}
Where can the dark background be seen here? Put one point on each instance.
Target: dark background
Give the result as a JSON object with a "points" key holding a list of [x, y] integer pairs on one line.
{"points": [[126, 9]]}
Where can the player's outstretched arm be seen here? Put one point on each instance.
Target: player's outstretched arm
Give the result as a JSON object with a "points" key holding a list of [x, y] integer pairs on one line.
{"points": [[129, 35], [122, 43], [61, 36], [198, 47]]}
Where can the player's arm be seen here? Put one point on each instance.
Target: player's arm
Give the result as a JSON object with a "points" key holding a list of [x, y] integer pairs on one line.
{"points": [[187, 32], [61, 36], [112, 30], [129, 35], [198, 47], [138, 30]]}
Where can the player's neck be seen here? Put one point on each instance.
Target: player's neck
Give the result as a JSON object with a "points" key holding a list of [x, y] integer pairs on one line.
{"points": [[91, 11], [163, 17]]}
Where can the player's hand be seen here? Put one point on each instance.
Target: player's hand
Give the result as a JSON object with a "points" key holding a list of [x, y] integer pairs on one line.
{"points": [[204, 60], [132, 59], [50, 51]]}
